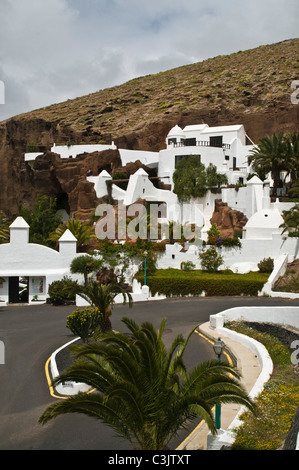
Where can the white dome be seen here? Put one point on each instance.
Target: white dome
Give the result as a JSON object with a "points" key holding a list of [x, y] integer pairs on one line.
{"points": [[265, 218], [176, 131]]}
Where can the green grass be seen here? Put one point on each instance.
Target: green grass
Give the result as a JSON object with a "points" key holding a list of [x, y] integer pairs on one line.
{"points": [[276, 404]]}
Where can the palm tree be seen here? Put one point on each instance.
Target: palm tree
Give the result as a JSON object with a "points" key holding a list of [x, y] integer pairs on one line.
{"points": [[81, 230], [4, 228], [103, 296], [270, 156], [293, 155], [143, 391], [291, 221]]}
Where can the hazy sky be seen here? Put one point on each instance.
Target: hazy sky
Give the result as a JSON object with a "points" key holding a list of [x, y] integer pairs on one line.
{"points": [[53, 50]]}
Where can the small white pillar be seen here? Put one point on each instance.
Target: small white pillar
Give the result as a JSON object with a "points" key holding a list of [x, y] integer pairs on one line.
{"points": [[19, 232], [68, 244]]}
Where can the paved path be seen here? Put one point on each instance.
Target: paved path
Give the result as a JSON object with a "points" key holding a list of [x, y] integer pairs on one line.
{"points": [[32, 333]]}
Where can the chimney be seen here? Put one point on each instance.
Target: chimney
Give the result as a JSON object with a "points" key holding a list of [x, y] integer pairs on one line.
{"points": [[19, 232]]}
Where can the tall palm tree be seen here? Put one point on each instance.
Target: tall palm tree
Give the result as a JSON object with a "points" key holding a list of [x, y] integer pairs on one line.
{"points": [[102, 296], [270, 156], [142, 390], [293, 155]]}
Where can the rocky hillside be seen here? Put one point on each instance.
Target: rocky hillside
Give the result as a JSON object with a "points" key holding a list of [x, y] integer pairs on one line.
{"points": [[251, 87]]}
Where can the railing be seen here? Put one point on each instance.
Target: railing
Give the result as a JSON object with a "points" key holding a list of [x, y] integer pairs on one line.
{"points": [[201, 143]]}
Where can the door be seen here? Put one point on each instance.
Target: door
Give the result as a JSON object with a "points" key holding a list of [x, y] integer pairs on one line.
{"points": [[13, 290], [18, 290]]}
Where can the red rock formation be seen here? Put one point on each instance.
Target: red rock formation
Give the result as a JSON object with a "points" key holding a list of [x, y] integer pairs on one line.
{"points": [[227, 220]]}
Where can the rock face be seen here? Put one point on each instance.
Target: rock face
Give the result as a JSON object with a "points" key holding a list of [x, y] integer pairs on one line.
{"points": [[252, 88], [228, 220]]}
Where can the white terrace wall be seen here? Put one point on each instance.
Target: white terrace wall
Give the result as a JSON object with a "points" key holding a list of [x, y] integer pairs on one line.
{"points": [[241, 260], [71, 151]]}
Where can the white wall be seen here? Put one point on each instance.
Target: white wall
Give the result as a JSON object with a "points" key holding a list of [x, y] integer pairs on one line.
{"points": [[66, 151], [147, 158]]}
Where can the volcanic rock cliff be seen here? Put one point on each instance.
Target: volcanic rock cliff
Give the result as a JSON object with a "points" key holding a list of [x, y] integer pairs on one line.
{"points": [[250, 87]]}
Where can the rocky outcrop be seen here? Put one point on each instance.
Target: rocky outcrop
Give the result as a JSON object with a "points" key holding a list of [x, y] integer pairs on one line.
{"points": [[227, 220]]}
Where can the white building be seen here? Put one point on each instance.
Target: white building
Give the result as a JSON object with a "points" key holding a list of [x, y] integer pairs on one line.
{"points": [[35, 266], [223, 146]]}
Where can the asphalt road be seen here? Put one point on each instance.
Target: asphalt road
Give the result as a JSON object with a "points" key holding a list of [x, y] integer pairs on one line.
{"points": [[30, 335]]}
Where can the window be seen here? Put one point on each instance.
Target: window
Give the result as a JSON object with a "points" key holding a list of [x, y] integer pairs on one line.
{"points": [[178, 158], [216, 141], [190, 142], [226, 157]]}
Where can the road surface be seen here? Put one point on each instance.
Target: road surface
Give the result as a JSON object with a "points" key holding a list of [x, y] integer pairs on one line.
{"points": [[30, 335]]}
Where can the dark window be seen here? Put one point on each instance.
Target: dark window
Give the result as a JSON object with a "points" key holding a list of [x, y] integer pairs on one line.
{"points": [[178, 158], [190, 142], [234, 163], [172, 141], [226, 157], [216, 141]]}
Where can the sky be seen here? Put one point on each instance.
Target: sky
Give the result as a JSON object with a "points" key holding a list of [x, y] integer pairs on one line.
{"points": [[55, 50]]}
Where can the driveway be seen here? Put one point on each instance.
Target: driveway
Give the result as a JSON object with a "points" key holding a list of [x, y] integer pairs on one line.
{"points": [[30, 335]]}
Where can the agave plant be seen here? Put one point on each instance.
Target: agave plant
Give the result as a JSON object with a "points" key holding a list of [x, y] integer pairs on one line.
{"points": [[144, 391]]}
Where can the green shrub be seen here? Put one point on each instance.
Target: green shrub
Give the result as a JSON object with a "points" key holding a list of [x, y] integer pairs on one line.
{"points": [[266, 265], [210, 259], [176, 282], [84, 322], [61, 292], [187, 266]]}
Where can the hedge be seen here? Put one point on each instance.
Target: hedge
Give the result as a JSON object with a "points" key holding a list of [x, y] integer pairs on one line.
{"points": [[181, 283]]}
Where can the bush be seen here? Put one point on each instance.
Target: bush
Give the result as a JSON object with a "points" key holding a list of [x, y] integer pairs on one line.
{"points": [[266, 265], [61, 292], [84, 322], [187, 266], [183, 283], [210, 260]]}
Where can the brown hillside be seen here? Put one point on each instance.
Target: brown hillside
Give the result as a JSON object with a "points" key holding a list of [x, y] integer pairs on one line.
{"points": [[250, 87]]}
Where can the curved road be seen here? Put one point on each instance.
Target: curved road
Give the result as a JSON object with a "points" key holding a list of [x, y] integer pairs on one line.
{"points": [[30, 335]]}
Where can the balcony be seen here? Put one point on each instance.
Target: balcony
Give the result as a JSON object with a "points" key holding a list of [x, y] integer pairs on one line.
{"points": [[200, 143]]}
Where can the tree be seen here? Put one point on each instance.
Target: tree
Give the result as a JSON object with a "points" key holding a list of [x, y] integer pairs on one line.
{"points": [[81, 230], [4, 228], [214, 178], [271, 156], [144, 391], [294, 190], [85, 264], [292, 143], [102, 296], [42, 219], [210, 259], [291, 221], [192, 179]]}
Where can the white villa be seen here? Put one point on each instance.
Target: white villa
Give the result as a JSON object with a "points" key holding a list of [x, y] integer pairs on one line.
{"points": [[226, 147]]}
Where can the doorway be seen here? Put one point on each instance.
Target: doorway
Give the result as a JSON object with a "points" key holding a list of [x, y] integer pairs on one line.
{"points": [[18, 290]]}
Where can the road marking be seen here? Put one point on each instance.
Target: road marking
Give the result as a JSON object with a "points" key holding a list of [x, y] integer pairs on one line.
{"points": [[212, 342], [50, 381]]}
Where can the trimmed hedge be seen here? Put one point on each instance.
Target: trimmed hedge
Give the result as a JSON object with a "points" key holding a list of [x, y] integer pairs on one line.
{"points": [[181, 283]]}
